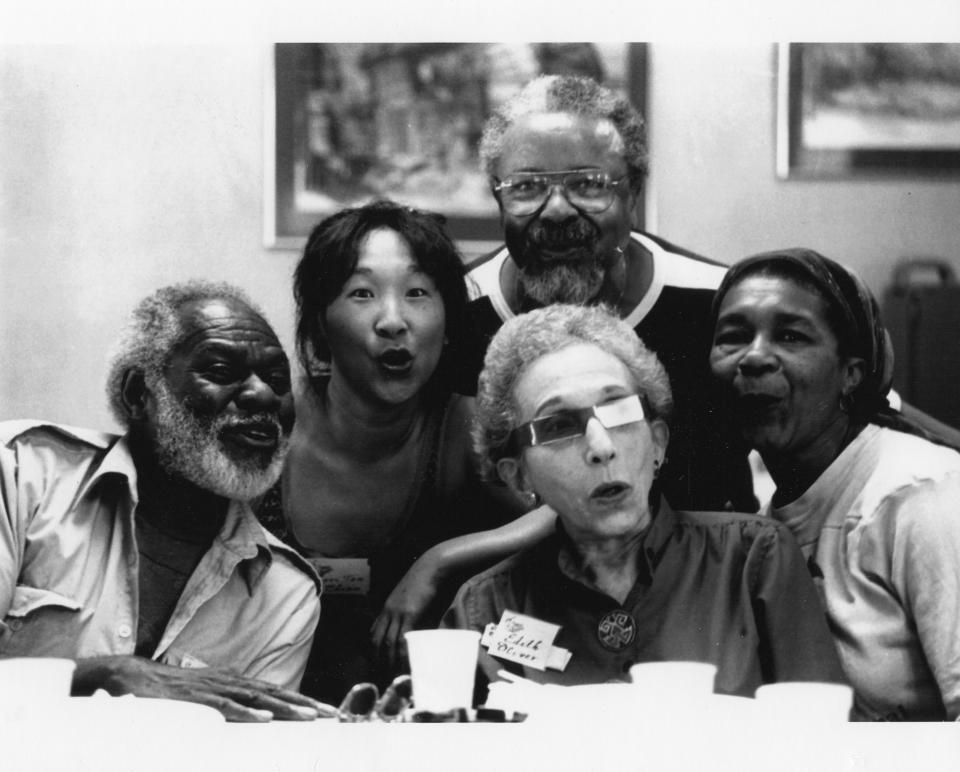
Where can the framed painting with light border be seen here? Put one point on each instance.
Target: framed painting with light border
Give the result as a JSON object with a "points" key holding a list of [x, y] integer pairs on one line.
{"points": [[347, 123], [868, 110]]}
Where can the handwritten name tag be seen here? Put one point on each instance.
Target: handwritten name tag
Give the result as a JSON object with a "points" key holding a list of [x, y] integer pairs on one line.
{"points": [[343, 576], [522, 639]]}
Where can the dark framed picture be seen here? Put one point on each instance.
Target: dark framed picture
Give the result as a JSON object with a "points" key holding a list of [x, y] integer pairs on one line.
{"points": [[868, 109], [351, 122]]}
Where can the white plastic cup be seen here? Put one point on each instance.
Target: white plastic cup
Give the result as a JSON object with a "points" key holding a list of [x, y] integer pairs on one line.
{"points": [[26, 680], [687, 678], [33, 690], [443, 664], [805, 701]]}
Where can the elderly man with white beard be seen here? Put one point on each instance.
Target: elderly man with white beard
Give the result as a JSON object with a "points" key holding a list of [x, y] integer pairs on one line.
{"points": [[138, 556]]}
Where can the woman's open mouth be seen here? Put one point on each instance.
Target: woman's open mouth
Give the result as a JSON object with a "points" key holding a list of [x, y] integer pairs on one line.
{"points": [[610, 493], [757, 402], [396, 362]]}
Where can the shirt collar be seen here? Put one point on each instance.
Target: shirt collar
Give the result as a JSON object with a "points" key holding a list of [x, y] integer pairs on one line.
{"points": [[806, 516], [118, 461], [662, 528], [651, 548], [242, 535]]}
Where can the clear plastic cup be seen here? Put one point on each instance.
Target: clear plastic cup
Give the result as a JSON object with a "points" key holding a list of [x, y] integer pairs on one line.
{"points": [[443, 664]]}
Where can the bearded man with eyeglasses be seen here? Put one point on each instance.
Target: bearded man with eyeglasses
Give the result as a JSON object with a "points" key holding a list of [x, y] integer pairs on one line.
{"points": [[567, 160]]}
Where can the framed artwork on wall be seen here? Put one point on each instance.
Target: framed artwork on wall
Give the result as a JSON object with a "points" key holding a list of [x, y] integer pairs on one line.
{"points": [[868, 109], [347, 123]]}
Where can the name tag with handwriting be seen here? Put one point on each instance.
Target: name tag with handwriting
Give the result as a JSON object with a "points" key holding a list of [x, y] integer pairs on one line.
{"points": [[525, 640], [343, 576]]}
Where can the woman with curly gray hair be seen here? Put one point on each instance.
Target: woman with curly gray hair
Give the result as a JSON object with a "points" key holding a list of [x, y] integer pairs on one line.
{"points": [[572, 411]]}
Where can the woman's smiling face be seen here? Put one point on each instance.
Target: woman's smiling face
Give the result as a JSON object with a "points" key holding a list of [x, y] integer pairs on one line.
{"points": [[774, 349], [597, 482]]}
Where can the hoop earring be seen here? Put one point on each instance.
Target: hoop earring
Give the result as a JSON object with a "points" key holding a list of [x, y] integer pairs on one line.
{"points": [[846, 403], [530, 499]]}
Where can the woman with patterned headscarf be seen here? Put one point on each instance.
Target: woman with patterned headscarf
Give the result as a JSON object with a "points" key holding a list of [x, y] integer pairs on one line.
{"points": [[807, 365]]}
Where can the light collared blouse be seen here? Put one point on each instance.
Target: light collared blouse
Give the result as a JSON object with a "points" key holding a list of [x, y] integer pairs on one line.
{"points": [[883, 525], [69, 566]]}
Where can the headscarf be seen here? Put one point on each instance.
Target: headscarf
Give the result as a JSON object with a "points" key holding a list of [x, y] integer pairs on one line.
{"points": [[853, 316]]}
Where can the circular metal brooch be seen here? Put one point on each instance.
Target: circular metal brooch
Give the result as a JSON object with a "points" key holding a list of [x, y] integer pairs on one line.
{"points": [[616, 630]]}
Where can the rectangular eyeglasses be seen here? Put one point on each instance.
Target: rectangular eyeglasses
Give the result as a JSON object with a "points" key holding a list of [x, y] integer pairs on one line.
{"points": [[590, 190], [567, 424]]}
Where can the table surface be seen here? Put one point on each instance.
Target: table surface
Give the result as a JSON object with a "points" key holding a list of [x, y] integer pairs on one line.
{"points": [[723, 740], [516, 748]]}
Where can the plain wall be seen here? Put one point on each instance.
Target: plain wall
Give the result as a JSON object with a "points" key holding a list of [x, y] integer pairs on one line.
{"points": [[712, 116], [125, 168], [121, 169]]}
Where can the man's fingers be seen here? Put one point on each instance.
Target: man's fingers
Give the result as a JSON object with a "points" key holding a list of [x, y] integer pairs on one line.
{"points": [[239, 685], [259, 700], [283, 704], [296, 698], [231, 710], [279, 708]]}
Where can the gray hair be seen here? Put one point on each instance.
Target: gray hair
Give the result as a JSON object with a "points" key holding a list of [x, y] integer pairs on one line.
{"points": [[525, 338], [153, 330], [578, 96]]}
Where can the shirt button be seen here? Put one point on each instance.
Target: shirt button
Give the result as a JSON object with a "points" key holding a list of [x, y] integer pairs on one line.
{"points": [[124, 631]]}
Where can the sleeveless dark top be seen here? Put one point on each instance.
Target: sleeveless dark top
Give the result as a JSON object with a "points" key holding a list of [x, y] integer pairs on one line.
{"points": [[342, 655]]}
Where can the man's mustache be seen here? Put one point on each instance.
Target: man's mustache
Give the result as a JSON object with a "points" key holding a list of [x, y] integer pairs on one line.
{"points": [[574, 233], [250, 420]]}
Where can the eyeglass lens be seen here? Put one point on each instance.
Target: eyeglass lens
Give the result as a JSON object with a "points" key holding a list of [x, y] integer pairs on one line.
{"points": [[573, 423], [591, 190]]}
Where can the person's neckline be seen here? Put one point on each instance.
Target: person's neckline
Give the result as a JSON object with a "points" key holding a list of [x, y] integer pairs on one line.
{"points": [[817, 466], [354, 424], [826, 477]]}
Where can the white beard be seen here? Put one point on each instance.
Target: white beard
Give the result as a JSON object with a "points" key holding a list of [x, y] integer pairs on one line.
{"points": [[190, 447], [567, 282]]}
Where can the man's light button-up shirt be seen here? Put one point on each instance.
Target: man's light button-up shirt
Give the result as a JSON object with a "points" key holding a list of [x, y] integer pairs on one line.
{"points": [[68, 566]]}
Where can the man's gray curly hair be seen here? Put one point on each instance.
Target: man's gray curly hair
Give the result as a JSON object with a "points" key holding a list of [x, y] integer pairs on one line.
{"points": [[527, 337], [154, 329], [576, 95]]}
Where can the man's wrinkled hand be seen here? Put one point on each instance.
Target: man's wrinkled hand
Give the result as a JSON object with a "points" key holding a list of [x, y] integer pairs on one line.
{"points": [[236, 697]]}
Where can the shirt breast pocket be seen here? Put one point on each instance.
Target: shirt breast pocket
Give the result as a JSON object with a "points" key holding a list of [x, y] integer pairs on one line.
{"points": [[39, 623]]}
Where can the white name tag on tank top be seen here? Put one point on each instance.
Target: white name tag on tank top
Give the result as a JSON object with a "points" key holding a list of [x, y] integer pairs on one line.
{"points": [[343, 576]]}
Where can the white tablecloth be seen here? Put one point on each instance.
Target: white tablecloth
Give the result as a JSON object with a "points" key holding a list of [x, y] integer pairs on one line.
{"points": [[118, 740]]}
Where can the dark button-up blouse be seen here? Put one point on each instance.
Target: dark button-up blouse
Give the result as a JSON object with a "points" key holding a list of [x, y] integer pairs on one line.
{"points": [[717, 587]]}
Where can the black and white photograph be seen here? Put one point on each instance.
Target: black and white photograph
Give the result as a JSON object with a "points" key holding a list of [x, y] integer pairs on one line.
{"points": [[578, 383]]}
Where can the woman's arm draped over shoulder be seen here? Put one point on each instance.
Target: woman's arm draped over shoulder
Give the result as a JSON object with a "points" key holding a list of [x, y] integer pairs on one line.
{"points": [[796, 644], [464, 554]]}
